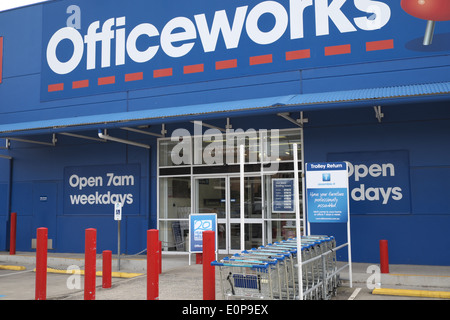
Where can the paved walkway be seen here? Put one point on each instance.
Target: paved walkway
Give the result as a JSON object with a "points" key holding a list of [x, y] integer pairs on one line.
{"points": [[179, 281]]}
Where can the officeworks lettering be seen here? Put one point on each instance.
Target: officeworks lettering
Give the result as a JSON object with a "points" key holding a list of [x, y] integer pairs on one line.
{"points": [[147, 45], [170, 41]]}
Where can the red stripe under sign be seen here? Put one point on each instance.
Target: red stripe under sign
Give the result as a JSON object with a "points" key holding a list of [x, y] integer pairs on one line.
{"points": [[267, 58], [226, 64], [106, 80], [134, 76], [335, 50], [380, 45]]}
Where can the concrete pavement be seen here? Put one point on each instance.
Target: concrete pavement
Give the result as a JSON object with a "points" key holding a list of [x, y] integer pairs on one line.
{"points": [[179, 281]]}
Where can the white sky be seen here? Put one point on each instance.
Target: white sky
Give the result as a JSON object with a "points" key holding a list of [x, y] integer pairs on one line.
{"points": [[9, 4]]}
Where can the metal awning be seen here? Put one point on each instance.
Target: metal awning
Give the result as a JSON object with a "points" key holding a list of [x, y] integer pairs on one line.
{"points": [[288, 103]]}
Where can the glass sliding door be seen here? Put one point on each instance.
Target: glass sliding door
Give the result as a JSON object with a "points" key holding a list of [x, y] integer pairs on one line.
{"points": [[221, 195]]}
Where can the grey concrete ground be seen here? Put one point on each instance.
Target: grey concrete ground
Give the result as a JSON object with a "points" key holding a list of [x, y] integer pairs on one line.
{"points": [[179, 281]]}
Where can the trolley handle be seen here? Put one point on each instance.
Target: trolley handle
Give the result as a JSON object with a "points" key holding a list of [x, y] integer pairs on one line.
{"points": [[221, 264]]}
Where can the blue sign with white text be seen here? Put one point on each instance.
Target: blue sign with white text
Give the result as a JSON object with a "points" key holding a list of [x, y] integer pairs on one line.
{"points": [[198, 224], [378, 181], [92, 47], [283, 196], [327, 192], [96, 189]]}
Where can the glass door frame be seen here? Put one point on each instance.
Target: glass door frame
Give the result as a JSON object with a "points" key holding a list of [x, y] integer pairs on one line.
{"points": [[228, 220]]}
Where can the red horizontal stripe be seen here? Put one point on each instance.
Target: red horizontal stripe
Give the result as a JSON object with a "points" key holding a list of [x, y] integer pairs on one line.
{"points": [[162, 73], [193, 68], [267, 58], [334, 50], [55, 87], [298, 54], [80, 84], [106, 80], [226, 64], [380, 45], [134, 76]]}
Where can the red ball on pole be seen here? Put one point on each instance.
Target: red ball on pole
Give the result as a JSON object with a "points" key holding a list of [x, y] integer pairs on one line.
{"points": [[430, 10]]}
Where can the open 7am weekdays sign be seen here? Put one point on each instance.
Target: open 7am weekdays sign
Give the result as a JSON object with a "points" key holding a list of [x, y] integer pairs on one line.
{"points": [[96, 189], [327, 192]]}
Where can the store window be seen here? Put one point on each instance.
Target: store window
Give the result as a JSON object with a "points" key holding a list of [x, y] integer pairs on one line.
{"points": [[196, 185]]}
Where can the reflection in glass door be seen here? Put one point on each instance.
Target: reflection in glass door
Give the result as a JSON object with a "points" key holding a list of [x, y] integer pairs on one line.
{"points": [[221, 195]]}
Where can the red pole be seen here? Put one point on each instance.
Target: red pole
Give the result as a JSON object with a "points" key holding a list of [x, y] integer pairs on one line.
{"points": [[90, 251], [12, 239], [160, 257], [209, 275], [152, 265], [384, 256], [107, 269], [41, 264]]}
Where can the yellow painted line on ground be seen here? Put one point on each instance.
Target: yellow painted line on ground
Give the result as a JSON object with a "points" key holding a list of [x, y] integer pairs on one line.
{"points": [[15, 268], [98, 273], [412, 293]]}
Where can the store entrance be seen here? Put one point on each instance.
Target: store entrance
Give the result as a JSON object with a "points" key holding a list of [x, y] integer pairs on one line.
{"points": [[221, 195]]}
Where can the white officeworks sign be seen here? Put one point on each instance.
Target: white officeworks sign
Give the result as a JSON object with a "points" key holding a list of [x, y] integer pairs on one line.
{"points": [[96, 189], [197, 225], [327, 192], [91, 47]]}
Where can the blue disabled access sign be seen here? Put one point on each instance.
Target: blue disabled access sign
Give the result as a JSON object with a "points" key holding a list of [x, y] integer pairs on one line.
{"points": [[327, 192]]}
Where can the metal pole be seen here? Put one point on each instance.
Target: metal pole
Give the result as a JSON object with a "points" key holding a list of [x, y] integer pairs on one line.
{"points": [[297, 224], [118, 245], [429, 32], [241, 172], [350, 272]]}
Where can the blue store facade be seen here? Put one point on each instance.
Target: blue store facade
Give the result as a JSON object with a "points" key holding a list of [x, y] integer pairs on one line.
{"points": [[144, 104]]}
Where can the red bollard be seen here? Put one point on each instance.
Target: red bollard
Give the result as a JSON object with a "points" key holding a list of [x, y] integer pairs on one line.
{"points": [[41, 264], [160, 257], [12, 239], [384, 256], [90, 252], [152, 265], [107, 269], [209, 275]]}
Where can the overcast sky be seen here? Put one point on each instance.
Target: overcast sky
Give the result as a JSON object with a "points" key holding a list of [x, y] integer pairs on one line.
{"points": [[9, 4]]}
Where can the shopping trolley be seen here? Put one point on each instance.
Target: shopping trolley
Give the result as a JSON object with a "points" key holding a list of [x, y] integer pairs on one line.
{"points": [[271, 271], [246, 279], [281, 287]]}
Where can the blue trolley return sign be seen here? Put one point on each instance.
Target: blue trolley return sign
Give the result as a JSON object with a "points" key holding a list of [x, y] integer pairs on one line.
{"points": [[327, 197], [198, 223], [327, 192]]}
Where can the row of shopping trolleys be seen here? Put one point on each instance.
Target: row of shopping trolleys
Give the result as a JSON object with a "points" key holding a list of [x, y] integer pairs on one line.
{"points": [[271, 271]]}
